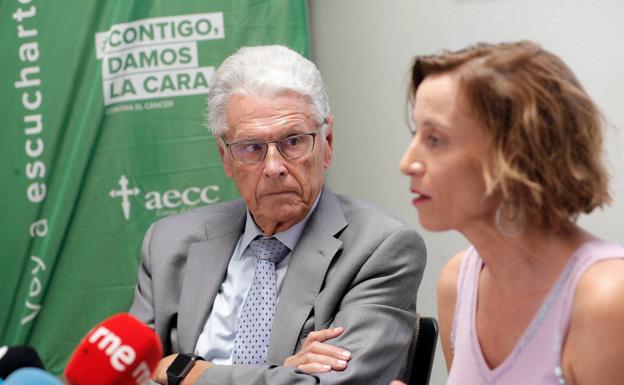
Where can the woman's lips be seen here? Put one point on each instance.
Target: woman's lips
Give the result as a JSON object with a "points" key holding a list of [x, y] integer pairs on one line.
{"points": [[419, 198]]}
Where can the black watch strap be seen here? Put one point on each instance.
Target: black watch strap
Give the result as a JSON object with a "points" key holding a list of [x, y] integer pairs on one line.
{"points": [[180, 367]]}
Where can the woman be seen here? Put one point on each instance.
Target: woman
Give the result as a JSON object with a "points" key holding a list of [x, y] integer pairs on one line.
{"points": [[507, 151]]}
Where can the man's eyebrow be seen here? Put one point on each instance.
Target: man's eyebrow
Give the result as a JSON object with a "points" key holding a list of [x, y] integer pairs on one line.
{"points": [[254, 140]]}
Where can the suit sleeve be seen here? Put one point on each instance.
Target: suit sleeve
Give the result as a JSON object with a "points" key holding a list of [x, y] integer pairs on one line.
{"points": [[142, 305], [377, 311]]}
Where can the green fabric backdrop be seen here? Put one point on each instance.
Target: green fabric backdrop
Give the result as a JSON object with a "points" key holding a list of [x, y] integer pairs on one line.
{"points": [[101, 116]]}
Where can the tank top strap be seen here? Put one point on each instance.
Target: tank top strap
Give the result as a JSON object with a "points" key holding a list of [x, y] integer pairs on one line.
{"points": [[468, 275], [585, 257]]}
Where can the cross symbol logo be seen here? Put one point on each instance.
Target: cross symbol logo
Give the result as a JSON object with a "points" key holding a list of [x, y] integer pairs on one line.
{"points": [[124, 193]]}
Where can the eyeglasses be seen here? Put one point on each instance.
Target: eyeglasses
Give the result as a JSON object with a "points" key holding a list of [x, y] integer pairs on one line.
{"points": [[291, 147]]}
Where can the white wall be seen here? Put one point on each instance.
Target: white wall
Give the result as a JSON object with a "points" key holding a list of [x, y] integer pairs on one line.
{"points": [[364, 49]]}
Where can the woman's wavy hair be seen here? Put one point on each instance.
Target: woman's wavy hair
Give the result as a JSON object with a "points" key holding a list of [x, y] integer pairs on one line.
{"points": [[544, 154]]}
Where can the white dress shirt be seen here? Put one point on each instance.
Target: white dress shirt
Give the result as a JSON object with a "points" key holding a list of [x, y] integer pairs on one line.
{"points": [[216, 341]]}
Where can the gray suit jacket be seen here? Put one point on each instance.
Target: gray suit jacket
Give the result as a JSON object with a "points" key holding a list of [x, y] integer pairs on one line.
{"points": [[354, 266]]}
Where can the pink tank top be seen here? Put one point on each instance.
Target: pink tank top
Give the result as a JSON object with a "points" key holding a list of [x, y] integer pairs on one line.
{"points": [[536, 358]]}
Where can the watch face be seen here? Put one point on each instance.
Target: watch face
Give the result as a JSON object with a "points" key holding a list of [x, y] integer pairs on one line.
{"points": [[180, 364]]}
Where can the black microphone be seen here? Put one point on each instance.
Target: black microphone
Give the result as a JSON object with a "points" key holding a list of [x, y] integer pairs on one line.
{"points": [[16, 357]]}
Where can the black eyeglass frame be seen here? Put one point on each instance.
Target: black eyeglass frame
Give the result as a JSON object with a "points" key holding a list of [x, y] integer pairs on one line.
{"points": [[277, 142], [267, 142]]}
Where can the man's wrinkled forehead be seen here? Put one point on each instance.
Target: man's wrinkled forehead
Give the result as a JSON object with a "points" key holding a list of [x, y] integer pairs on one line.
{"points": [[287, 111]]}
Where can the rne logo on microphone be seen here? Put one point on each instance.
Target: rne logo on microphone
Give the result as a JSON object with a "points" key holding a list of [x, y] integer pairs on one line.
{"points": [[141, 373], [120, 355]]}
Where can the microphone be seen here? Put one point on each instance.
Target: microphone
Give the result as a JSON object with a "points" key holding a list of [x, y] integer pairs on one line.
{"points": [[16, 357], [121, 350], [31, 376]]}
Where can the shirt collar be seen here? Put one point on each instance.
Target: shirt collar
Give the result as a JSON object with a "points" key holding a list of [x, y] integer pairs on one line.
{"points": [[288, 237]]}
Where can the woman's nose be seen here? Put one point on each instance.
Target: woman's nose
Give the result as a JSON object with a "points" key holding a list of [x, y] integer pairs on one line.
{"points": [[410, 164]]}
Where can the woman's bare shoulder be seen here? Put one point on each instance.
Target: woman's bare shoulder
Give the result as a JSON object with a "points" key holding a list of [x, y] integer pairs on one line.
{"points": [[595, 346], [450, 273]]}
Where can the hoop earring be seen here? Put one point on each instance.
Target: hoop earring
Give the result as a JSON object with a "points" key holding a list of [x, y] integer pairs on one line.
{"points": [[508, 221]]}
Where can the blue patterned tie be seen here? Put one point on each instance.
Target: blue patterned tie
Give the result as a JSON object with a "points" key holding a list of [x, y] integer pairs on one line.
{"points": [[254, 325]]}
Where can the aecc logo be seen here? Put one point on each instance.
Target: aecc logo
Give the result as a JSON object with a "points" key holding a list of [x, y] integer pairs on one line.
{"points": [[170, 199]]}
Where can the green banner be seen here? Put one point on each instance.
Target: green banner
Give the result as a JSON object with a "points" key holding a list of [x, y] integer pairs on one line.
{"points": [[102, 112]]}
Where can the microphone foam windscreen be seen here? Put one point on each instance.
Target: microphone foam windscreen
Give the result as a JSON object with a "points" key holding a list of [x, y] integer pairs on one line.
{"points": [[31, 376], [16, 357], [120, 350]]}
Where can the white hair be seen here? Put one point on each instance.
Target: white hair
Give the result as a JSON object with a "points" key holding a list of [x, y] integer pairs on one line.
{"points": [[265, 71]]}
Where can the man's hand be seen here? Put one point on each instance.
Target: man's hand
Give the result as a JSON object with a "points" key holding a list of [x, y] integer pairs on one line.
{"points": [[318, 357], [160, 374]]}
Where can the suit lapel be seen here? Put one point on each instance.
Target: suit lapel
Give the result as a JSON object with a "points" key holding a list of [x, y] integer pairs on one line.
{"points": [[306, 272], [206, 267]]}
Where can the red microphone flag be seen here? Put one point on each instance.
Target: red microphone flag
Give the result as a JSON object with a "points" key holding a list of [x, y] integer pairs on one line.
{"points": [[121, 350]]}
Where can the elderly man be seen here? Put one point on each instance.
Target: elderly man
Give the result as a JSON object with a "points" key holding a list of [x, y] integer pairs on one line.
{"points": [[237, 288]]}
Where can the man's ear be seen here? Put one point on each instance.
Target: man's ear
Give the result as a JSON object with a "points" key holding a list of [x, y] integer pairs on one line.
{"points": [[328, 141], [225, 159]]}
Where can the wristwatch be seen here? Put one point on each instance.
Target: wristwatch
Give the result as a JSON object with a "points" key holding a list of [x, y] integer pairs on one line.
{"points": [[180, 367]]}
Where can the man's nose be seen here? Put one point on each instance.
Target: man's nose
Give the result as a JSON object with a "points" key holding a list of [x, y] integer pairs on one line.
{"points": [[274, 162]]}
